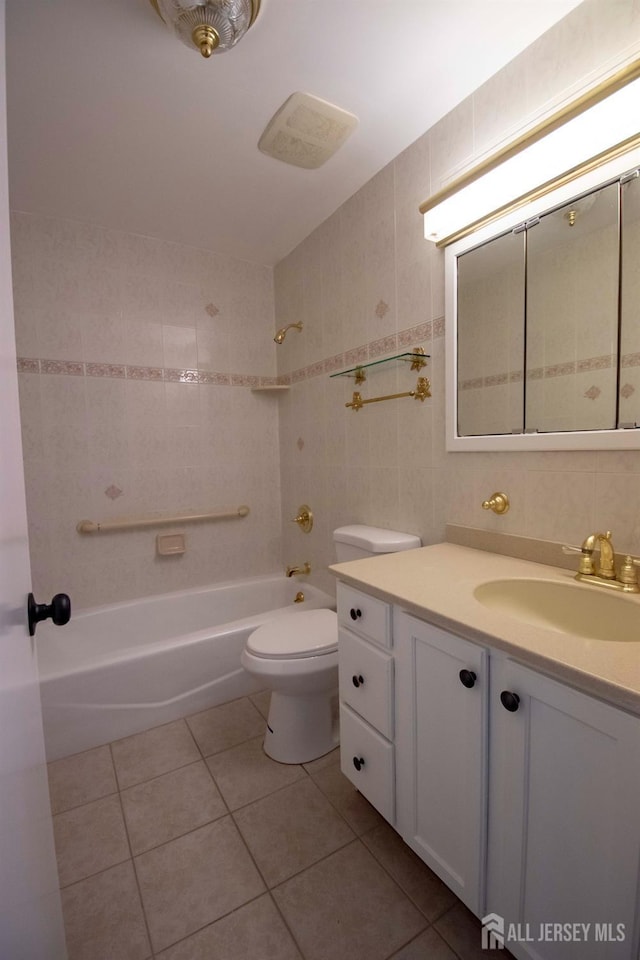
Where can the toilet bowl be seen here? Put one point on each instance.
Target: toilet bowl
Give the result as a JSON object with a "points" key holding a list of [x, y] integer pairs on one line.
{"points": [[296, 657]]}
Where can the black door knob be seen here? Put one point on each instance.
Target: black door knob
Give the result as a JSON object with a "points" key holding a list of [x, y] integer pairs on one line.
{"points": [[467, 678], [510, 701], [358, 763], [357, 680], [59, 610], [355, 614]]}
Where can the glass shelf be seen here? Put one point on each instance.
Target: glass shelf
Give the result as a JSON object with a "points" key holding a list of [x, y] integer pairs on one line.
{"points": [[417, 359]]}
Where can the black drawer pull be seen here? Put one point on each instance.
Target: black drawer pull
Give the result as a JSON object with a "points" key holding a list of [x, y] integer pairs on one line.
{"points": [[467, 678], [355, 614], [358, 763], [510, 701], [358, 680]]}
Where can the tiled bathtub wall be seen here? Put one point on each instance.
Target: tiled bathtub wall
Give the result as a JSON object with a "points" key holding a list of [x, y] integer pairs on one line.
{"points": [[367, 275], [136, 361]]}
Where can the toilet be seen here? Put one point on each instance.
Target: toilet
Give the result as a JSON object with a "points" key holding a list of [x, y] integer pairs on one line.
{"points": [[296, 657]]}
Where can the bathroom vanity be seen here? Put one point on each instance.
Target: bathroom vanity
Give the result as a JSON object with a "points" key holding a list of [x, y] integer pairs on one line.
{"points": [[504, 749]]}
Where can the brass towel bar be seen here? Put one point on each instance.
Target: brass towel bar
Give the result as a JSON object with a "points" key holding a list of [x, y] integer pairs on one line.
{"points": [[421, 392], [91, 526]]}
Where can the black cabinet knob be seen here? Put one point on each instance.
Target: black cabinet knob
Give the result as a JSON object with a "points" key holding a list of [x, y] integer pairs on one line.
{"points": [[358, 763], [467, 678], [59, 610], [510, 701], [357, 680], [355, 614]]}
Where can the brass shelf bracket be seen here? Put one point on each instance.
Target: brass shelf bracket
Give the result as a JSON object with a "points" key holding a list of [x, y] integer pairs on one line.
{"points": [[421, 392]]}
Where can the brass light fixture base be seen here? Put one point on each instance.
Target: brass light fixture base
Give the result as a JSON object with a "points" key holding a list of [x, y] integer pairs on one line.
{"points": [[205, 38]]}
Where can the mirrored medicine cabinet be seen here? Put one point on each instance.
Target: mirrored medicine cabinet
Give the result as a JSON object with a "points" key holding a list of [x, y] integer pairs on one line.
{"points": [[543, 323]]}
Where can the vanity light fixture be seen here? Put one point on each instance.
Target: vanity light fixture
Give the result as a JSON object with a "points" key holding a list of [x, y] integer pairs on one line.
{"points": [[210, 26], [282, 332], [586, 133]]}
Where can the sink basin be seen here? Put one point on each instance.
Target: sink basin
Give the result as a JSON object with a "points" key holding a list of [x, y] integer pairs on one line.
{"points": [[584, 611]]}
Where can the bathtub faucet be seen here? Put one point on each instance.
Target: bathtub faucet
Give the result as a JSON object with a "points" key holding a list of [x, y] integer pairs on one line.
{"points": [[294, 571]]}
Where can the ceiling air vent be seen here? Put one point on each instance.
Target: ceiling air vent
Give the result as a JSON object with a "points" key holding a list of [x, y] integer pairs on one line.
{"points": [[306, 131]]}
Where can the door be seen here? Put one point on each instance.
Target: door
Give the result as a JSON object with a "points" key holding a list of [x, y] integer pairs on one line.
{"points": [[441, 752], [564, 832], [30, 915]]}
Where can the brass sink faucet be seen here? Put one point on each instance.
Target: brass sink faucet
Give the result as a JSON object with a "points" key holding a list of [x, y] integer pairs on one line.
{"points": [[605, 573]]}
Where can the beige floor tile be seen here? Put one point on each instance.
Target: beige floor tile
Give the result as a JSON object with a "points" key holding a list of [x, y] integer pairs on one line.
{"points": [[357, 811], [103, 917], [262, 702], [463, 933], [81, 778], [171, 805], [291, 829], [194, 880], [226, 726], [348, 908], [427, 891], [254, 932], [328, 760], [149, 754], [428, 946], [245, 773], [89, 839]]}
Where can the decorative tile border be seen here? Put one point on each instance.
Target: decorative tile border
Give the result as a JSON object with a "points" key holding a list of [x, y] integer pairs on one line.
{"points": [[545, 373], [351, 358]]}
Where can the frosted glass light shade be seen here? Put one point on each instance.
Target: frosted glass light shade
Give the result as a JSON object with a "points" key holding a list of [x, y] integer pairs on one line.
{"points": [[612, 121], [211, 26]]}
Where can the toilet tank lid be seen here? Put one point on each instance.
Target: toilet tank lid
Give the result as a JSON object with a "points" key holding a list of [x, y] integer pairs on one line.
{"points": [[376, 539]]}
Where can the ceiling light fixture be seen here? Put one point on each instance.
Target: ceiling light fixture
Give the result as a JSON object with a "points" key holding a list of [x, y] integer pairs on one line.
{"points": [[210, 26], [586, 133]]}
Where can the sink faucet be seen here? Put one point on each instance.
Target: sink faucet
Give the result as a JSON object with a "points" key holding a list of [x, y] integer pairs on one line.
{"points": [[606, 567], [605, 573], [294, 571]]}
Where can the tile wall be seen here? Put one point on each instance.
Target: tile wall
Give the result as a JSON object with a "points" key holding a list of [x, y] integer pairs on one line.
{"points": [[136, 360], [366, 283]]}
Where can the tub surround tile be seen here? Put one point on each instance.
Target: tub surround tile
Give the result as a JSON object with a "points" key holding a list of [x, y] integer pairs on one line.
{"points": [[430, 895], [89, 839], [154, 752], [169, 806], [81, 778], [291, 829], [103, 917], [226, 726], [194, 880], [329, 917], [245, 773], [254, 932]]}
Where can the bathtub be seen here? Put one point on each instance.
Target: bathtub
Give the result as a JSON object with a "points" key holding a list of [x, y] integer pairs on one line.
{"points": [[117, 670]]}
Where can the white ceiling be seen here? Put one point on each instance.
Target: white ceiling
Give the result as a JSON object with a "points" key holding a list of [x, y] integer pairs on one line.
{"points": [[112, 120]]}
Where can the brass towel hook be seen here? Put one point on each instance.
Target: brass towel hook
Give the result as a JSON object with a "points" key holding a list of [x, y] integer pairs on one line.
{"points": [[304, 518], [499, 503]]}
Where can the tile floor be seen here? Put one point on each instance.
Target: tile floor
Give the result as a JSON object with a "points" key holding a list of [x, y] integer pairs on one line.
{"points": [[186, 842]]}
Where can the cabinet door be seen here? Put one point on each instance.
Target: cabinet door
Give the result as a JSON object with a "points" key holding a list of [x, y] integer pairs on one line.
{"points": [[564, 828], [441, 685]]}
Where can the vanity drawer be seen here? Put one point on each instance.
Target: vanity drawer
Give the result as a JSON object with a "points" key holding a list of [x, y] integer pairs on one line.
{"points": [[364, 614], [366, 680], [367, 760]]}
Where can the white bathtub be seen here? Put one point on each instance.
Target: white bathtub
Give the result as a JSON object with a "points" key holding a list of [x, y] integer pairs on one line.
{"points": [[117, 670]]}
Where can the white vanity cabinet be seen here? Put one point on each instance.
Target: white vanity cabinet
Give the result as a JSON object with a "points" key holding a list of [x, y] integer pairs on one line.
{"points": [[366, 679], [441, 752], [564, 816]]}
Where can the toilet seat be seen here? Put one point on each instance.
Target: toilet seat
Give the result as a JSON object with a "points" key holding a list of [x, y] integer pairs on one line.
{"points": [[310, 633]]}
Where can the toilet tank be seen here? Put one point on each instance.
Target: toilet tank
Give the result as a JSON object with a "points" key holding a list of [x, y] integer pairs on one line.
{"points": [[358, 540]]}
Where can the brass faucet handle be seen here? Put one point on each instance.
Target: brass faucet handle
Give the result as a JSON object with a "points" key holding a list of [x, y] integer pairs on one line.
{"points": [[586, 565], [304, 518], [499, 503], [628, 572]]}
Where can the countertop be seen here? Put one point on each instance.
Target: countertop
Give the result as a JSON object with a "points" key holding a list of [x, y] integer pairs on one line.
{"points": [[436, 583]]}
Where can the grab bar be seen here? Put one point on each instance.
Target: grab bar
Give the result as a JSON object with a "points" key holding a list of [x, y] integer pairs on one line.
{"points": [[91, 526]]}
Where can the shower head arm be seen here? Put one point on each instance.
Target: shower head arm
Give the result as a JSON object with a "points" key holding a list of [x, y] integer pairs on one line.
{"points": [[281, 334]]}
